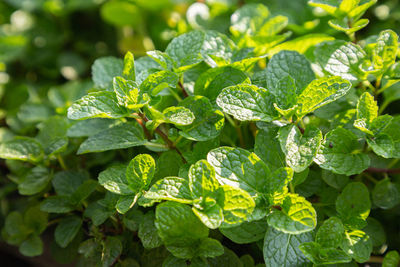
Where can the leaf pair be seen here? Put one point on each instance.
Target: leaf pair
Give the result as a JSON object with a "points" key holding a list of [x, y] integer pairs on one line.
{"points": [[129, 182], [213, 204]]}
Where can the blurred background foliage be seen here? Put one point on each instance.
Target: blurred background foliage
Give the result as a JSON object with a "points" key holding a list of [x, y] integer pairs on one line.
{"points": [[48, 46]]}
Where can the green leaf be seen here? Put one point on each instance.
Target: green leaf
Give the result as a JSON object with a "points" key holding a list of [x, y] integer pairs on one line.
{"points": [[237, 204], [212, 217], [341, 58], [249, 19], [208, 122], [329, 6], [296, 216], [52, 135], [148, 232], [179, 116], [268, 148], [158, 81], [320, 255], [202, 181], [112, 248], [385, 51], [170, 188], [341, 153], [353, 205], [90, 127], [67, 229], [117, 137], [247, 103], [300, 149], [385, 194], [178, 227], [34, 181], [391, 259], [211, 82], [392, 131], [31, 247], [282, 249], [246, 232], [337, 181], [128, 71], [128, 94], [358, 245], [65, 183], [101, 104], [330, 233], [196, 46], [114, 180], [320, 92], [210, 248], [375, 231], [343, 26], [105, 69], [140, 172], [288, 64], [301, 44], [367, 108], [126, 202], [239, 168], [276, 186], [57, 204], [21, 148]]}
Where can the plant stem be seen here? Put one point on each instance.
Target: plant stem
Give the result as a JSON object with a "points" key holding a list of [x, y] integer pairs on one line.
{"points": [[169, 143], [185, 94], [369, 177], [61, 161]]}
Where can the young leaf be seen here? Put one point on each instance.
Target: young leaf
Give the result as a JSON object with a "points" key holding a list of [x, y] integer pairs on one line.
{"points": [[179, 116], [158, 81], [202, 181], [282, 249], [140, 172], [236, 203], [128, 94], [341, 153], [320, 92], [128, 71], [170, 188], [297, 216], [101, 104], [300, 149], [247, 103], [385, 51]]}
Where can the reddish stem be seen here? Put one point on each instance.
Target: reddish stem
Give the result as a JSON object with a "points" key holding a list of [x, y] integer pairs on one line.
{"points": [[382, 170]]}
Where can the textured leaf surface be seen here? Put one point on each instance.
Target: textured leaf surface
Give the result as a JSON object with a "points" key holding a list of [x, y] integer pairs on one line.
{"points": [[148, 232], [21, 148], [202, 181], [140, 172], [246, 232], [320, 255], [170, 188], [247, 103], [66, 230], [320, 92], [330, 233], [282, 249], [300, 149], [105, 69], [114, 180], [358, 245], [208, 122], [341, 153], [118, 137], [102, 104], [353, 205], [268, 148], [239, 168], [297, 216]]}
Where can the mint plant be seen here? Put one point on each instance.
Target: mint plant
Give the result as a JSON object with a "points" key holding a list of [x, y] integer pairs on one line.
{"points": [[184, 157]]}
